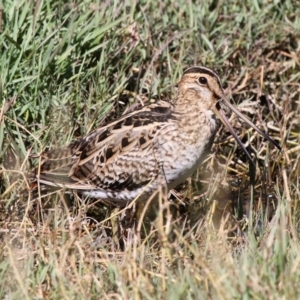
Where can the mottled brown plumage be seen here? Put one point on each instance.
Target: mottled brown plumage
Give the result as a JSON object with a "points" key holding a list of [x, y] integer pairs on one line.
{"points": [[161, 144]]}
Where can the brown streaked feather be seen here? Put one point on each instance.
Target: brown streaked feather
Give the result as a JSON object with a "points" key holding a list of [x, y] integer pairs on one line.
{"points": [[89, 162]]}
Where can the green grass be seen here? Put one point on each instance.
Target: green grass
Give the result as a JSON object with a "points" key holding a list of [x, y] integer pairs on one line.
{"points": [[66, 68]]}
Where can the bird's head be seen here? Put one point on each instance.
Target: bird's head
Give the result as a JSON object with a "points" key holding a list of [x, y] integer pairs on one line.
{"points": [[201, 87]]}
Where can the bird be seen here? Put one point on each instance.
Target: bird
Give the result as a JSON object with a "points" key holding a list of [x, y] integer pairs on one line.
{"points": [[158, 145]]}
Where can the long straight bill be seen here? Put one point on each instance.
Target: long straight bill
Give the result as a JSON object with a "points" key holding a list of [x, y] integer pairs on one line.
{"points": [[244, 118], [225, 121]]}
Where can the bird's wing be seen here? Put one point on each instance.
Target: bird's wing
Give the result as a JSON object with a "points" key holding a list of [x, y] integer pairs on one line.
{"points": [[117, 156]]}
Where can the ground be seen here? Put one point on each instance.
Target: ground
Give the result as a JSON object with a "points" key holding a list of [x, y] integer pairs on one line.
{"points": [[67, 67]]}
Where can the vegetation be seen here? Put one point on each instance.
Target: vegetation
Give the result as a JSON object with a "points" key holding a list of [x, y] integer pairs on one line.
{"points": [[68, 67]]}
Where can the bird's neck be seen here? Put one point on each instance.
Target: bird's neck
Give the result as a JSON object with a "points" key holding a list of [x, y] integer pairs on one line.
{"points": [[194, 116], [190, 103]]}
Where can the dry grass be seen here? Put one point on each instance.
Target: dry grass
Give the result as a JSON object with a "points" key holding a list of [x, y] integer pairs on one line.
{"points": [[68, 68]]}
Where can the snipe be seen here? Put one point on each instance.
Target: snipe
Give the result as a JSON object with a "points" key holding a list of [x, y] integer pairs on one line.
{"points": [[161, 144]]}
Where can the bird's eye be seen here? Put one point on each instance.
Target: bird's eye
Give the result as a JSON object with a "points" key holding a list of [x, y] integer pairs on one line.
{"points": [[203, 80]]}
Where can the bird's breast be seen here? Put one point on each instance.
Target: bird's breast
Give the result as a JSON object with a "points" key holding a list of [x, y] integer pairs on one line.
{"points": [[183, 150]]}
